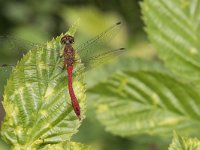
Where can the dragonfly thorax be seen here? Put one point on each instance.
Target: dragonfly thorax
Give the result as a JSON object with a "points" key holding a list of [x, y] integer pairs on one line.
{"points": [[68, 53]]}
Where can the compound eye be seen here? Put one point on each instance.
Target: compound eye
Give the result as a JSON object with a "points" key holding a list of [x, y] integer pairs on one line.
{"points": [[63, 41], [72, 40]]}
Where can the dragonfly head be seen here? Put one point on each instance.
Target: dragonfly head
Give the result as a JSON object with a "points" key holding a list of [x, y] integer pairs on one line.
{"points": [[67, 39]]}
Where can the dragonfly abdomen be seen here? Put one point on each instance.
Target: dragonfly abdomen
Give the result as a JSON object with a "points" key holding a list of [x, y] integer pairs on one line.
{"points": [[74, 100]]}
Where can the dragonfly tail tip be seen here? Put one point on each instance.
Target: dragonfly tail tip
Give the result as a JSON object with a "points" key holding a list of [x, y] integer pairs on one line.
{"points": [[79, 118]]}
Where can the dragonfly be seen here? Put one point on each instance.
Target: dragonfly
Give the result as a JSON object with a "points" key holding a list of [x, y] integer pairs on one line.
{"points": [[88, 55]]}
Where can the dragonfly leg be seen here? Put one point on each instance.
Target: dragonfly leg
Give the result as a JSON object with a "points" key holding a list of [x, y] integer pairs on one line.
{"points": [[60, 71], [61, 56], [62, 68], [59, 62]]}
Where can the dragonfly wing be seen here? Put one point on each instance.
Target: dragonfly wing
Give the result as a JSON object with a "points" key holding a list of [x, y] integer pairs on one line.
{"points": [[102, 58], [99, 44], [15, 47], [9, 67]]}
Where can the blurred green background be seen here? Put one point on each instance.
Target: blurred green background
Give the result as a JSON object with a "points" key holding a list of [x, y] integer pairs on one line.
{"points": [[40, 21]]}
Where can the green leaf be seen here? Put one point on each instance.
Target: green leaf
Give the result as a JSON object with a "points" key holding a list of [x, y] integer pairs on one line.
{"points": [[67, 146], [173, 27], [146, 101], [126, 63], [36, 99], [182, 143]]}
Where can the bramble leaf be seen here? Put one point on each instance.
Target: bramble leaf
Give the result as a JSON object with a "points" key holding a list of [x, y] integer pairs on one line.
{"points": [[173, 27], [147, 101], [36, 99], [182, 143], [66, 146]]}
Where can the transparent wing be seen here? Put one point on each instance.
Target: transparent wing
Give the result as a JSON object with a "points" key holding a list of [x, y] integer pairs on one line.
{"points": [[9, 67], [96, 60], [12, 47], [99, 44]]}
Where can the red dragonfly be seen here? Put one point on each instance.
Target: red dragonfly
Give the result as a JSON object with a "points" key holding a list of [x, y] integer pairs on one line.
{"points": [[69, 58], [90, 52]]}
